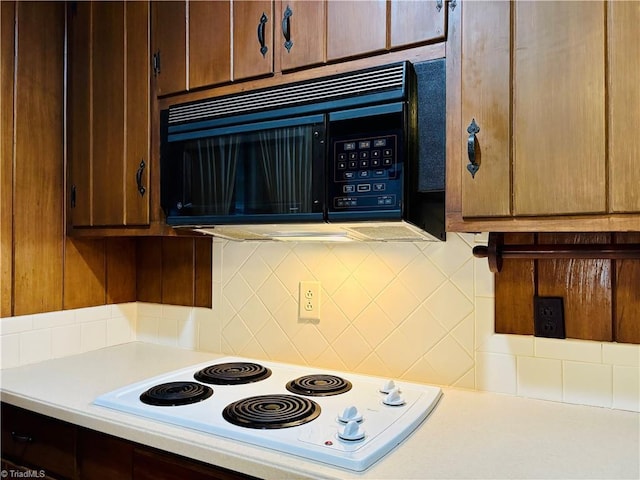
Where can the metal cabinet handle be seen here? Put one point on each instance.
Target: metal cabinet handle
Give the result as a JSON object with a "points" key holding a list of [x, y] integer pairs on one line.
{"points": [[261, 40], [473, 149], [286, 28], [21, 438], [141, 188]]}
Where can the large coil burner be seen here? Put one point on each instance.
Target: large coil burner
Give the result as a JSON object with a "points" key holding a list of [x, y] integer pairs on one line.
{"points": [[319, 385], [233, 373], [176, 393], [271, 411]]}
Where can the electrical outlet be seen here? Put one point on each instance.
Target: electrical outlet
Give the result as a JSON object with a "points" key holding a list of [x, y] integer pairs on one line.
{"points": [[309, 301], [548, 317]]}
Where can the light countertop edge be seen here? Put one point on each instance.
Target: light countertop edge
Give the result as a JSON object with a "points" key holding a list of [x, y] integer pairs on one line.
{"points": [[468, 435]]}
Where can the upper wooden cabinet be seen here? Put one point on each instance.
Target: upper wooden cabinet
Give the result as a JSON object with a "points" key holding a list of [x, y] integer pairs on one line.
{"points": [[549, 96], [108, 105], [206, 43]]}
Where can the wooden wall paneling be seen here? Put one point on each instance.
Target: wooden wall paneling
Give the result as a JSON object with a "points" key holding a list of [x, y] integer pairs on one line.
{"points": [[38, 187], [585, 286], [627, 295], [248, 61], [169, 25], [149, 269], [84, 273], [120, 270], [514, 291], [355, 28], [7, 17], [178, 272], [203, 278], [209, 47]]}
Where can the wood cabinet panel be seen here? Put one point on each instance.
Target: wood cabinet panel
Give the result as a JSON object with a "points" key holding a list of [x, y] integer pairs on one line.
{"points": [[103, 457], [355, 28], [209, 43], [203, 273], [623, 19], [149, 269], [7, 17], [485, 84], [178, 268], [34, 440], [416, 21], [38, 174], [627, 295], [169, 40], [84, 273], [308, 29], [249, 58], [120, 272], [559, 108]]}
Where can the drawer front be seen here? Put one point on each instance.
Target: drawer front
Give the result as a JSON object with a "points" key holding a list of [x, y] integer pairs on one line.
{"points": [[37, 441]]}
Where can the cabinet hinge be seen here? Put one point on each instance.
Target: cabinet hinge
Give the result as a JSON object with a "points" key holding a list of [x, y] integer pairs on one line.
{"points": [[155, 63], [452, 5], [439, 5]]}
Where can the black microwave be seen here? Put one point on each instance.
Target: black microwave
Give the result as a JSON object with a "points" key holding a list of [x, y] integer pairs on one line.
{"points": [[362, 152]]}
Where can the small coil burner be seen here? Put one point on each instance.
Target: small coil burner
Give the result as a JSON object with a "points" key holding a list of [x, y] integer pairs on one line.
{"points": [[176, 393], [271, 411], [319, 385], [235, 373]]}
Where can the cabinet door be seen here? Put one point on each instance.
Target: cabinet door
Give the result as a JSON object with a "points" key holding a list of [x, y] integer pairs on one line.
{"points": [[301, 33], [252, 38], [209, 43], [170, 43], [356, 28], [624, 105], [559, 118], [416, 21]]}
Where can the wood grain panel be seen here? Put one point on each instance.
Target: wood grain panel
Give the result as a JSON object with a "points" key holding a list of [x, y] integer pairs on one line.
{"points": [[79, 138], [624, 105], [627, 295], [38, 187], [209, 43], [84, 273], [120, 261], [137, 128], [103, 457], [585, 286], [169, 38], [415, 21], [149, 269], [203, 273], [108, 115], [308, 27], [559, 108], [486, 98], [178, 271], [514, 291], [248, 61], [355, 28], [7, 16]]}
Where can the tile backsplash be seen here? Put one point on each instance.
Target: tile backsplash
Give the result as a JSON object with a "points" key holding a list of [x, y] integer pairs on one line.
{"points": [[418, 311]]}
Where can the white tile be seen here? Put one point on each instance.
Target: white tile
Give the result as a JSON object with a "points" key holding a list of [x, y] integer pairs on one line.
{"points": [[373, 275], [120, 330], [422, 278], [237, 292], [351, 348], [149, 309], [352, 299], [511, 344], [234, 256], [484, 279], [126, 310], [449, 305], [587, 383], [209, 330], [468, 380], [287, 318], [254, 314], [621, 354], [626, 388], [397, 255], [10, 351], [168, 331], [352, 255], [310, 343], [236, 334], [330, 272], [12, 325], [496, 372], [255, 271], [66, 340], [93, 335], [53, 319], [374, 325], [188, 333], [277, 345], [89, 314], [399, 352], [333, 321], [464, 279], [217, 249], [540, 378], [147, 329], [575, 350], [424, 327], [464, 333], [273, 293], [449, 256], [450, 361], [176, 312], [485, 323], [35, 346], [291, 272]]}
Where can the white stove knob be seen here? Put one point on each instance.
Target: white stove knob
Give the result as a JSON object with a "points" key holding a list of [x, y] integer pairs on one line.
{"points": [[350, 414], [387, 386], [351, 432], [394, 398]]}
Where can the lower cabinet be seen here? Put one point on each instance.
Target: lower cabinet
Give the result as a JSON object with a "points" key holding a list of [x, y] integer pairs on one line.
{"points": [[48, 448]]}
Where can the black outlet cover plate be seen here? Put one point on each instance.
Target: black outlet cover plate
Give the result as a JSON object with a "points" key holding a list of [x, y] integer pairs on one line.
{"points": [[548, 317]]}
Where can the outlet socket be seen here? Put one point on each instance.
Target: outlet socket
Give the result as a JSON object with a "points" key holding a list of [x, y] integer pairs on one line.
{"points": [[548, 317], [309, 301]]}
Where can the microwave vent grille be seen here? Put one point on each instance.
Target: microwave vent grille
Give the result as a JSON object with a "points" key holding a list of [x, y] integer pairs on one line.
{"points": [[389, 77]]}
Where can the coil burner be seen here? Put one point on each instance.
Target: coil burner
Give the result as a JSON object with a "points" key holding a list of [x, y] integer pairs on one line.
{"points": [[271, 411], [319, 385], [234, 373], [176, 393]]}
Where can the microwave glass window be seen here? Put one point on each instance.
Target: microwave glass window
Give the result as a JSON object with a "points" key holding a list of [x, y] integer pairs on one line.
{"points": [[260, 172]]}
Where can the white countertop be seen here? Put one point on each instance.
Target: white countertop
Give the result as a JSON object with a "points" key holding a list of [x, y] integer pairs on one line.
{"points": [[469, 434]]}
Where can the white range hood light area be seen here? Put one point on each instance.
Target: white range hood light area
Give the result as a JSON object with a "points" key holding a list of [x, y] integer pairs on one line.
{"points": [[399, 231]]}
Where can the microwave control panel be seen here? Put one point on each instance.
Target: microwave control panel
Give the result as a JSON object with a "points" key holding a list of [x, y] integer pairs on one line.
{"points": [[366, 174]]}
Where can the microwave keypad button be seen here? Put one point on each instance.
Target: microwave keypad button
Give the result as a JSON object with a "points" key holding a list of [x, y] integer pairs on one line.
{"points": [[379, 187], [353, 164], [364, 144], [364, 154], [342, 157], [387, 161], [350, 146], [353, 155], [364, 187], [363, 174], [364, 163], [379, 173], [375, 153], [349, 175], [387, 152], [348, 188], [380, 142], [376, 162], [342, 165]]}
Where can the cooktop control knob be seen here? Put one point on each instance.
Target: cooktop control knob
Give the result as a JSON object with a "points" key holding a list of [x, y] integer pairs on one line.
{"points": [[351, 432], [350, 413], [388, 386], [394, 398]]}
